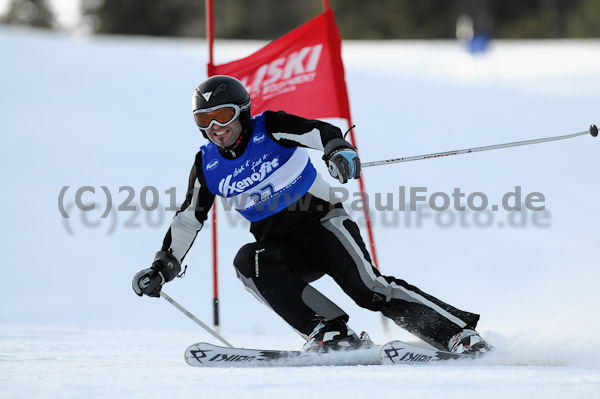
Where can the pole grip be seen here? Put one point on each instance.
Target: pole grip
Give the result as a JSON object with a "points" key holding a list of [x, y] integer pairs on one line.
{"points": [[216, 314]]}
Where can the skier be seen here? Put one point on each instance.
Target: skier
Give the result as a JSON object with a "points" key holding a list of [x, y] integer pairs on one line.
{"points": [[262, 166]]}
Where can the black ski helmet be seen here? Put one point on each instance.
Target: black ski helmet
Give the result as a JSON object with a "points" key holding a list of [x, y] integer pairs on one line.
{"points": [[219, 90]]}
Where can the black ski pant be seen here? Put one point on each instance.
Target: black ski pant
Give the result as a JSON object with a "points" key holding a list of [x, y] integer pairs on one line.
{"points": [[278, 272]]}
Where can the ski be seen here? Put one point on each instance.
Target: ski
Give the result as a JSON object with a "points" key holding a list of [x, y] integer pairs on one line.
{"points": [[399, 352], [207, 355], [394, 352]]}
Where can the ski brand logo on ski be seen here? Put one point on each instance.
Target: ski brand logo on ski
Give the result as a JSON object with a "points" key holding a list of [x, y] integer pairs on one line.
{"points": [[200, 354], [392, 353], [222, 357]]}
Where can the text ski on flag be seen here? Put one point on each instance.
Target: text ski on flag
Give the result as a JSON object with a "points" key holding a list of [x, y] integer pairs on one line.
{"points": [[301, 72]]}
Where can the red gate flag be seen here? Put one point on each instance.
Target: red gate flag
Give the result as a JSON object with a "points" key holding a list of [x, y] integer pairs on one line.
{"points": [[301, 72]]}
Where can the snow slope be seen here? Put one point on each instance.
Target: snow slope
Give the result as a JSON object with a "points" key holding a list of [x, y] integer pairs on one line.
{"points": [[114, 112]]}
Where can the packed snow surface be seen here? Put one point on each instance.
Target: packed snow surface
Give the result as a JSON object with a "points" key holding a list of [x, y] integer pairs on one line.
{"points": [[112, 114]]}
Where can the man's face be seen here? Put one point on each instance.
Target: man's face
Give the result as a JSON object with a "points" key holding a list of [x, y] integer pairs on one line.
{"points": [[225, 136]]}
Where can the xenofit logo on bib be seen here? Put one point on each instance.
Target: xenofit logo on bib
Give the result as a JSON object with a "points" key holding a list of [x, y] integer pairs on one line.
{"points": [[228, 187], [213, 164], [259, 138]]}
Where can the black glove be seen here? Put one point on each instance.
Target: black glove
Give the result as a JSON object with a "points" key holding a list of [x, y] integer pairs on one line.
{"points": [[164, 269], [342, 160]]}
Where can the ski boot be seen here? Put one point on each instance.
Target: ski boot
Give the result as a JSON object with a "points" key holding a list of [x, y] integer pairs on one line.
{"points": [[468, 342], [334, 335]]}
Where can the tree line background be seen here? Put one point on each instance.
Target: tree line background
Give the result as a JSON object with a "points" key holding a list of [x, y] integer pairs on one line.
{"points": [[357, 19]]}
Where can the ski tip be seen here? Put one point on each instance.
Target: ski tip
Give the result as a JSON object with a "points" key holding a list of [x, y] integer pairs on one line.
{"points": [[594, 130]]}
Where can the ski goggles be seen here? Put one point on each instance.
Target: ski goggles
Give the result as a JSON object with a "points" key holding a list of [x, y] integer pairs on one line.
{"points": [[222, 115]]}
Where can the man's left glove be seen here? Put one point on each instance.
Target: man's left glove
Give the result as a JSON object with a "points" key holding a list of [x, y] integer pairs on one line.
{"points": [[342, 160], [164, 269]]}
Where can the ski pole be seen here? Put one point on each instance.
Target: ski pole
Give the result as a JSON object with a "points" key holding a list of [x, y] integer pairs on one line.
{"points": [[191, 316], [593, 130]]}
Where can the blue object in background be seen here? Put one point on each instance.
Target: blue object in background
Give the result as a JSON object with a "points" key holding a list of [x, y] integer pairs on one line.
{"points": [[479, 43]]}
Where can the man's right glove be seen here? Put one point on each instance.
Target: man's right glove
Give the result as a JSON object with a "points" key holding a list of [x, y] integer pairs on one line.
{"points": [[164, 269], [342, 160]]}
